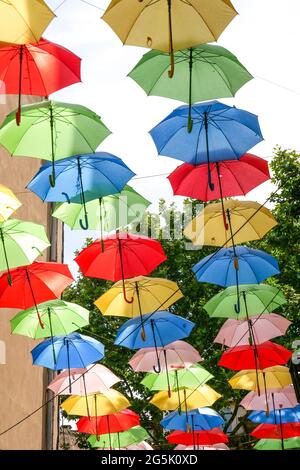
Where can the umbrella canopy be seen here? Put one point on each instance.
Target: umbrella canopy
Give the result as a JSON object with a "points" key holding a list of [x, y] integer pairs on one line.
{"points": [[276, 431], [140, 446], [72, 351], [283, 415], [193, 377], [260, 299], [24, 21], [259, 328], [209, 437], [100, 404], [119, 439], [93, 379], [275, 444], [107, 213], [9, 203], [248, 220], [259, 356], [219, 446], [20, 244], [117, 422], [234, 177], [186, 399], [56, 317], [275, 378], [175, 355], [285, 398], [254, 266], [198, 419]]}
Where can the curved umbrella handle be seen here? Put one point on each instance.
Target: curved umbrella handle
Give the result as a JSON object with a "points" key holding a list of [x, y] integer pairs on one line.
{"points": [[67, 197], [237, 306], [124, 295], [52, 179], [157, 369], [190, 124], [18, 116], [171, 71], [84, 225]]}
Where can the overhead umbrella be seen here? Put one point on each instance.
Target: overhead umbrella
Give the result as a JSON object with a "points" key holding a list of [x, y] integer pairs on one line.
{"points": [[248, 220], [99, 404], [276, 431], [117, 422], [198, 419], [52, 130], [175, 355], [283, 415], [105, 214], [168, 26], [213, 136], [284, 398], [117, 440], [186, 399], [82, 178], [203, 72], [274, 378], [24, 21], [39, 68], [258, 328], [234, 178], [124, 255], [275, 444], [20, 244], [196, 438], [219, 446], [9, 203]]}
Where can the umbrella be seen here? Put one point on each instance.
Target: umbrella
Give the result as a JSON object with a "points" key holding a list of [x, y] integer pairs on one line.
{"points": [[82, 178], [198, 419], [235, 178], [213, 136], [37, 69], [259, 328], [283, 415], [105, 214], [9, 203], [124, 255], [52, 130], [276, 444], [186, 399], [161, 328], [108, 424], [34, 284], [203, 73], [140, 446], [196, 438], [20, 243], [257, 299], [175, 355], [219, 446], [24, 21], [98, 404], [168, 26], [277, 431], [284, 398], [248, 220], [274, 378], [119, 439]]}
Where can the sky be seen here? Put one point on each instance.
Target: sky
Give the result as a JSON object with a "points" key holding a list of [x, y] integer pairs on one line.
{"points": [[264, 37]]}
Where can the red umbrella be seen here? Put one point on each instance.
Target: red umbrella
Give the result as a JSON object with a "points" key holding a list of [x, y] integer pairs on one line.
{"points": [[34, 284], [276, 431], [123, 256], [258, 356], [197, 438], [37, 69], [117, 422]]}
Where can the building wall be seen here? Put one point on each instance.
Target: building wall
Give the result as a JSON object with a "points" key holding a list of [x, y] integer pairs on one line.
{"points": [[22, 385]]}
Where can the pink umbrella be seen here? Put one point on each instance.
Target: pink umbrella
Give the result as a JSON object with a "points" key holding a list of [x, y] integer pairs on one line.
{"points": [[284, 398], [263, 327], [220, 446], [176, 355]]}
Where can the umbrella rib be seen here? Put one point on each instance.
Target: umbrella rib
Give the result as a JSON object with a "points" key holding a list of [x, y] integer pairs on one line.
{"points": [[20, 14]]}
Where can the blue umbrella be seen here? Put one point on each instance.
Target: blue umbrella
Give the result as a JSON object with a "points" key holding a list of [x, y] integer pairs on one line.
{"points": [[197, 420], [155, 330], [82, 178], [283, 415], [219, 132]]}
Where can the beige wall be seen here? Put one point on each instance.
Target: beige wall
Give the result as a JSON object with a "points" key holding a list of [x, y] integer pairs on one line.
{"points": [[22, 385]]}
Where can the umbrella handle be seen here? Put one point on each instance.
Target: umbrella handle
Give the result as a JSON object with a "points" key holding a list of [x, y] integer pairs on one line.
{"points": [[157, 369], [52, 179], [210, 183], [67, 197], [124, 295], [18, 116], [84, 225], [237, 306], [171, 71], [190, 124]]}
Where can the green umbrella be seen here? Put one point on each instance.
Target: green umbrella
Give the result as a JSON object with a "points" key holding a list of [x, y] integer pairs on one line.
{"points": [[255, 300], [20, 244], [275, 444], [203, 73], [116, 440], [51, 130]]}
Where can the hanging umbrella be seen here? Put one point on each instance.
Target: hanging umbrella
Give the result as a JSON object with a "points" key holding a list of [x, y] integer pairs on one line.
{"points": [[100, 404], [193, 377], [176, 355], [168, 26], [285, 415], [198, 419], [203, 73], [186, 399], [9, 203], [259, 328], [284, 398], [24, 21], [140, 446], [234, 177], [219, 446], [117, 440], [274, 378], [82, 178], [213, 136], [105, 214], [276, 431], [124, 255], [196, 438], [248, 221], [275, 444], [52, 131], [37, 69], [20, 243], [117, 422]]}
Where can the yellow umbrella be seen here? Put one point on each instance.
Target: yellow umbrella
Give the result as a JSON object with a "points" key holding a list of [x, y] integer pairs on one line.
{"points": [[99, 404], [208, 228], [168, 25], [23, 21], [275, 378], [9, 203], [185, 399]]}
